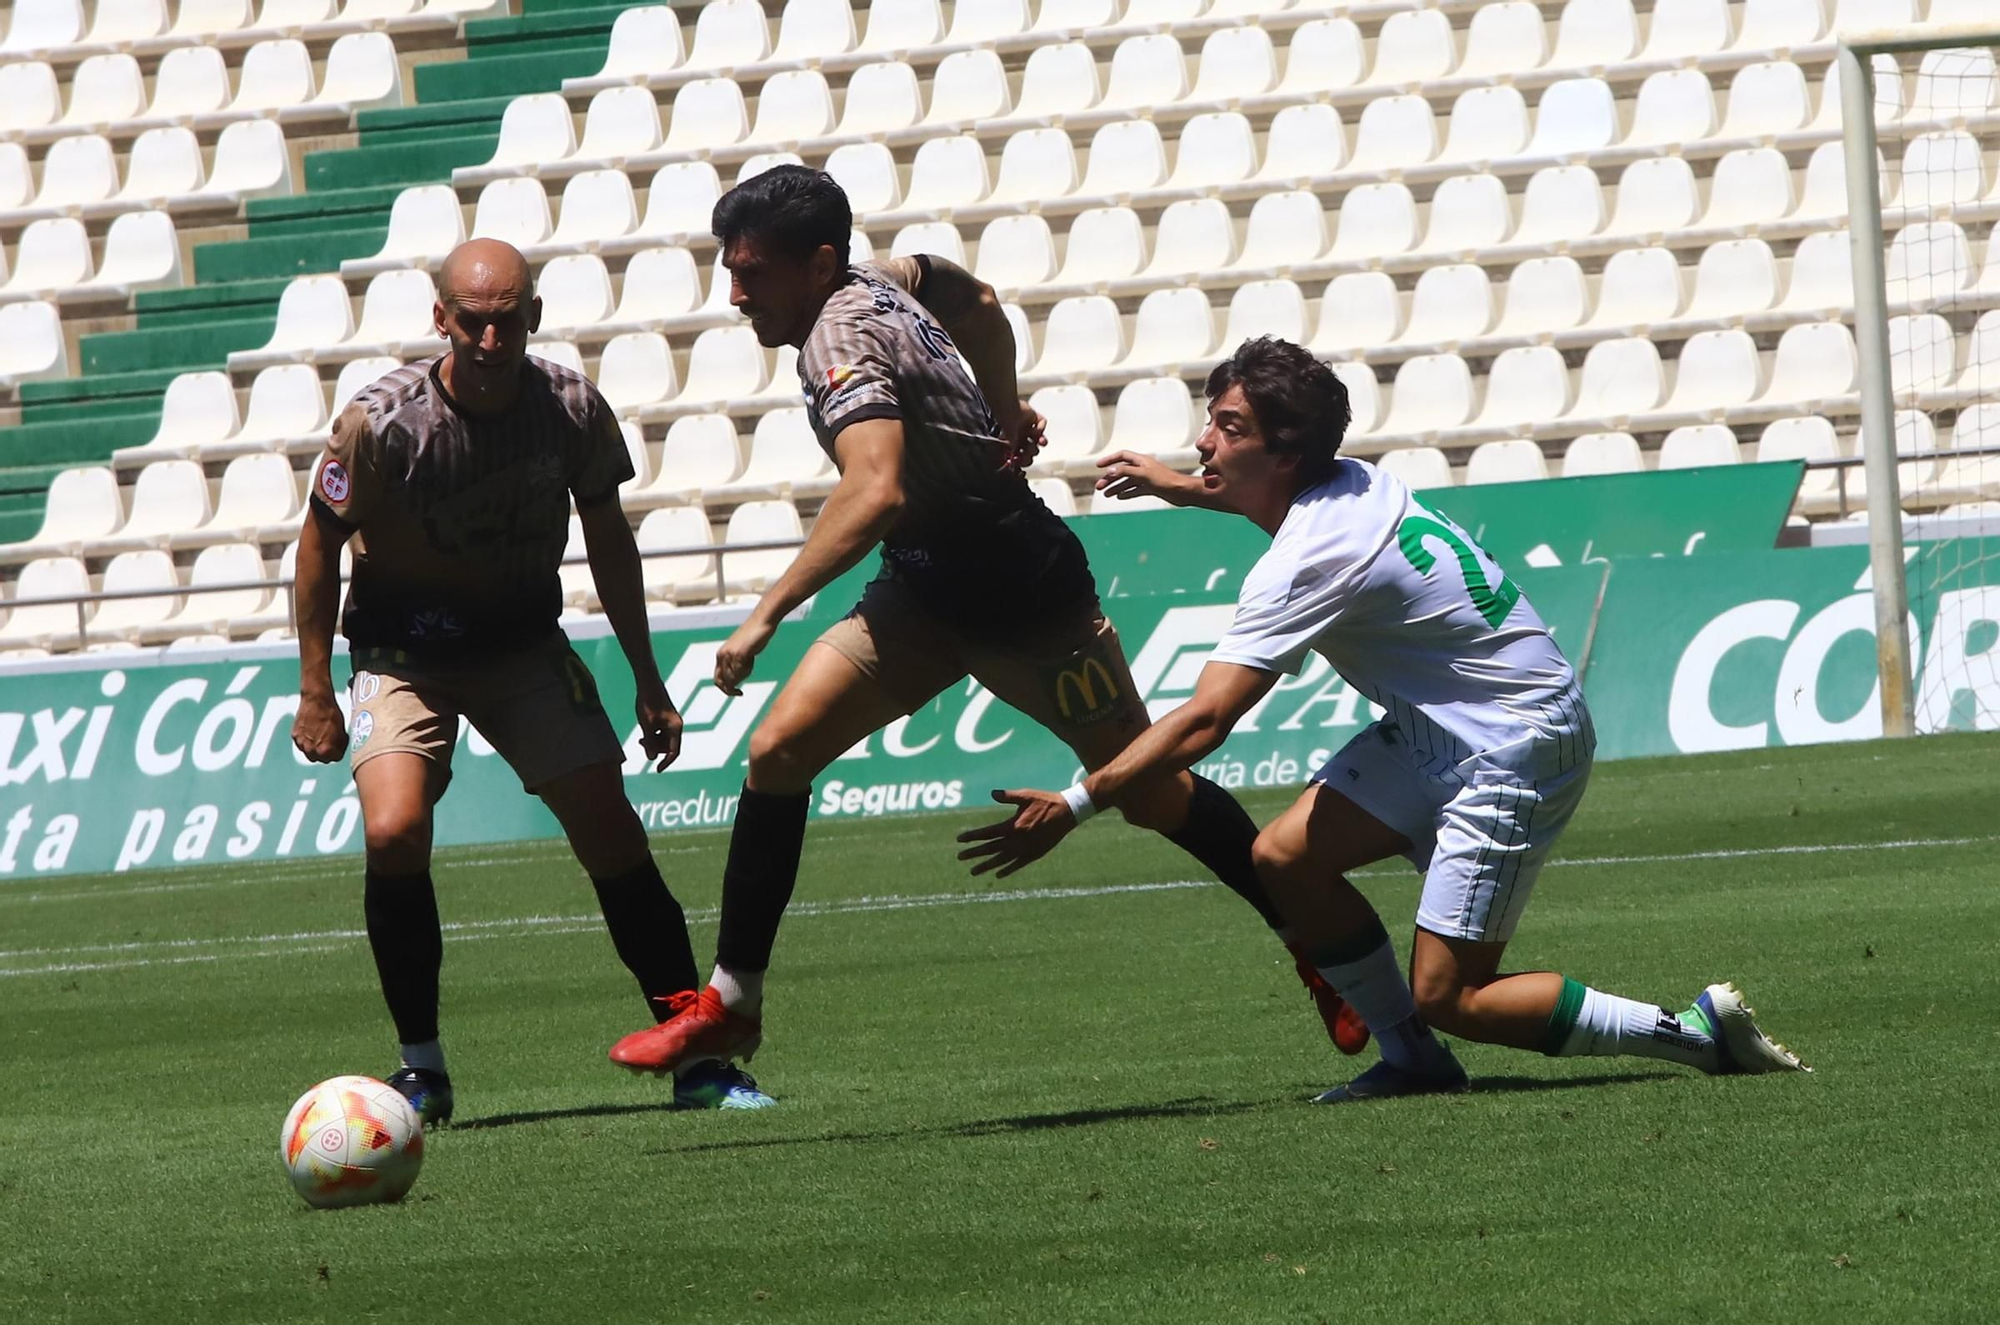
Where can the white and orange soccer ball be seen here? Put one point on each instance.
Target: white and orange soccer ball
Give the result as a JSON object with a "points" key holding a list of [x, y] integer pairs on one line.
{"points": [[352, 1141]]}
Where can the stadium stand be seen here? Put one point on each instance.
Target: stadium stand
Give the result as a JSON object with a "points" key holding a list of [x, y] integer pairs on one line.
{"points": [[1536, 237]]}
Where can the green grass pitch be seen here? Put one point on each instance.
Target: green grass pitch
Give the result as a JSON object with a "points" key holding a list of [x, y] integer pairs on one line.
{"points": [[1063, 1098]]}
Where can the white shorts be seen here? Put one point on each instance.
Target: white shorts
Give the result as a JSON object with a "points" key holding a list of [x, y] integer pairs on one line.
{"points": [[1478, 830]]}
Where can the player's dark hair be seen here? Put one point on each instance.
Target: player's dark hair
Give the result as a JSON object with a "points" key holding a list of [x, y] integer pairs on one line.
{"points": [[791, 210], [1301, 405]]}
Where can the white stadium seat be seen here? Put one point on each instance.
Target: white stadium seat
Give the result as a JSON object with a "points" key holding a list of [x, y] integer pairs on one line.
{"points": [[1508, 37], [48, 577], [105, 89], [793, 105], [534, 129], [660, 283], [1375, 221], [1126, 156], [1698, 445], [1655, 195], [1674, 106], [1486, 123], [1284, 229], [129, 572], [685, 578], [596, 205], [1171, 328], [168, 497], [1146, 71], [140, 250], [946, 173], [250, 159], [1767, 99], [1079, 335], [286, 404], [679, 200], [1154, 416], [1102, 244], [1303, 142], [1716, 369], [645, 39], [1526, 385], [1574, 116], [969, 85], [396, 310], [78, 169], [1035, 165], [190, 80], [258, 494], [1394, 132], [163, 163], [1359, 311], [1414, 46], [700, 452], [1016, 251], [1681, 29], [425, 223], [1560, 203], [29, 96], [1732, 279], [575, 291], [725, 363], [1596, 32], [1419, 467], [53, 256], [1511, 461], [1266, 308], [812, 30], [1236, 62], [1449, 304], [1602, 453], [621, 122], [1620, 378], [897, 25], [636, 368], [759, 522], [1058, 79], [707, 113], [515, 209], [1213, 149], [880, 98], [84, 505], [1814, 362], [1544, 295], [785, 460], [198, 409], [1431, 392], [222, 610], [31, 342], [728, 33]]}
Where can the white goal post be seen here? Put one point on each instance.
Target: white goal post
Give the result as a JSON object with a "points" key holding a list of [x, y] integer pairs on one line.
{"points": [[1885, 451]]}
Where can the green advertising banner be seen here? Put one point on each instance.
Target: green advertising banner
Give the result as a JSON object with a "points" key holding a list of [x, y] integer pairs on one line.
{"points": [[1554, 522], [125, 762]]}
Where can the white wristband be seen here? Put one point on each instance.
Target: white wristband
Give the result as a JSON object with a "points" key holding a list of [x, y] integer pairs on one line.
{"points": [[1079, 802]]}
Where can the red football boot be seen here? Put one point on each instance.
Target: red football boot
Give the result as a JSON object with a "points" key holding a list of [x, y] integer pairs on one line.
{"points": [[701, 1029], [1343, 1024]]}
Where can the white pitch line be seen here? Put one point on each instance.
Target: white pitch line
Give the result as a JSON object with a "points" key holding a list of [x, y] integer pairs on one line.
{"points": [[171, 952]]}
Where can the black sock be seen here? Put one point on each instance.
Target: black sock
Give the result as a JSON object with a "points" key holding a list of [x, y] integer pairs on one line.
{"points": [[1219, 834], [650, 932], [758, 880], [403, 930]]}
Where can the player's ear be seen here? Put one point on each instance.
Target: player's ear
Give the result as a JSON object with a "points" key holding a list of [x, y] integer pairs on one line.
{"points": [[825, 265], [534, 315], [440, 320]]}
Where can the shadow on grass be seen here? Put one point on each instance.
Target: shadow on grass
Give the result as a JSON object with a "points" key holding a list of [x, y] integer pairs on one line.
{"points": [[555, 1115], [1199, 1107], [1484, 1085]]}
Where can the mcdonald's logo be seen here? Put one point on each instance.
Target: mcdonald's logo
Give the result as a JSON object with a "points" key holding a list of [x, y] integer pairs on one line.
{"points": [[1086, 692]]}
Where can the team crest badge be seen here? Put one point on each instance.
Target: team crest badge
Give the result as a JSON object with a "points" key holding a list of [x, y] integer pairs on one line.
{"points": [[839, 375], [333, 483], [364, 727]]}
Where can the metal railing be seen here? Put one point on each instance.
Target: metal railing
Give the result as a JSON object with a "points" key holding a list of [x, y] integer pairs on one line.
{"points": [[283, 584], [1840, 465]]}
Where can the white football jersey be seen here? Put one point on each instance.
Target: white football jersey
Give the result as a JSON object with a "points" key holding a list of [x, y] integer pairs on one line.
{"points": [[1418, 618]]}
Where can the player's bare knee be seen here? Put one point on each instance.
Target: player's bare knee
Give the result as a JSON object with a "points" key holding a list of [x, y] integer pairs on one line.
{"points": [[1159, 805], [611, 842], [1442, 1002], [1273, 855], [398, 842], [779, 763]]}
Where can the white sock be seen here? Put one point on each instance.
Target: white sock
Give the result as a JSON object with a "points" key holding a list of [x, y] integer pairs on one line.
{"points": [[1375, 988], [741, 991], [429, 1056], [1607, 1024]]}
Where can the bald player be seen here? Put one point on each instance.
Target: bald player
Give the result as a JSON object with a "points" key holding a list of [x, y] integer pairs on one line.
{"points": [[978, 578], [454, 479]]}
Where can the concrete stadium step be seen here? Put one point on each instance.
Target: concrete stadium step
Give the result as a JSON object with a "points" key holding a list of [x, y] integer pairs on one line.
{"points": [[184, 348], [284, 255], [317, 214], [427, 162], [75, 441], [201, 305], [93, 397], [531, 53], [396, 126]]}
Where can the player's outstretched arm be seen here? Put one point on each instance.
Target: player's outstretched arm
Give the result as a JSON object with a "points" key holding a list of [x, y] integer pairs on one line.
{"points": [[318, 731], [615, 570], [1128, 474], [1223, 694], [970, 313], [863, 507]]}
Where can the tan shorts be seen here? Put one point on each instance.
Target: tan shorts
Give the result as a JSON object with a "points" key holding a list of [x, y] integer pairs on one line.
{"points": [[1070, 676], [537, 706]]}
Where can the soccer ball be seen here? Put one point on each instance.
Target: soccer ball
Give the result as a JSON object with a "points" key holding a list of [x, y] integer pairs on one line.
{"points": [[351, 1141]]}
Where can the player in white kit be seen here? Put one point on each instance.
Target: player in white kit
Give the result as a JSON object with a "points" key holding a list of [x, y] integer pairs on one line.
{"points": [[1479, 759]]}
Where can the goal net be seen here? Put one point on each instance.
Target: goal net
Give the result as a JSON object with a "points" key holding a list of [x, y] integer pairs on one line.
{"points": [[1930, 374]]}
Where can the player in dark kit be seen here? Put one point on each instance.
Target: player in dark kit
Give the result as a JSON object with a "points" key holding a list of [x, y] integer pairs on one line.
{"points": [[978, 577], [454, 477]]}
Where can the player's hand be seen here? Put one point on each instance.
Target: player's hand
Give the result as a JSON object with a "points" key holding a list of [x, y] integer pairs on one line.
{"points": [[1129, 474], [738, 655], [1026, 435], [1041, 820], [659, 724], [319, 732]]}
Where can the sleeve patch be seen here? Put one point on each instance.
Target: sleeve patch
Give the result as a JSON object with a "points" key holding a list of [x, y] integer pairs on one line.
{"points": [[333, 481]]}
